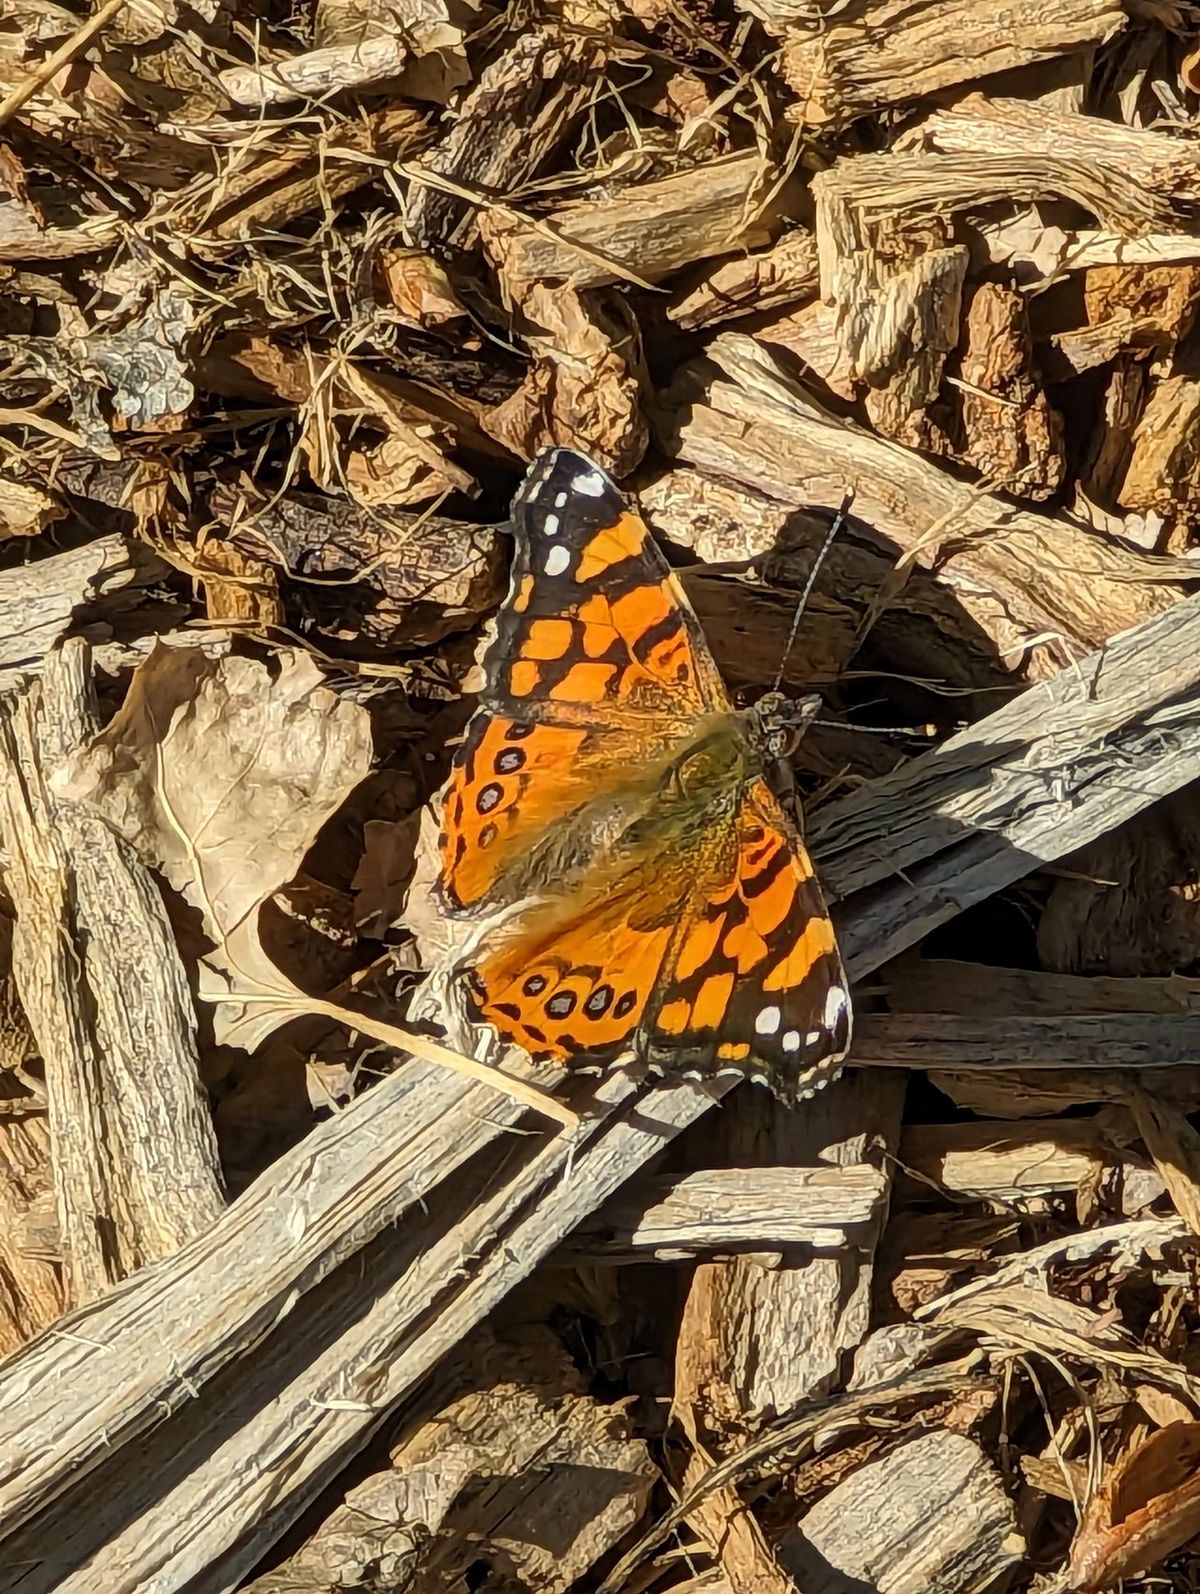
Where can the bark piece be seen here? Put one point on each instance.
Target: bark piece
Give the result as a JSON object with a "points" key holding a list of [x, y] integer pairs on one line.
{"points": [[33, 1293], [1175, 1146], [876, 53], [407, 579], [514, 1471], [1147, 1507], [1164, 450], [585, 384], [1010, 432], [1130, 309], [931, 1517], [1113, 1040], [510, 124], [135, 1163]]}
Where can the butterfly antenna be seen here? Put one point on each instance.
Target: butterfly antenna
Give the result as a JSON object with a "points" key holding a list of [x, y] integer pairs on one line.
{"points": [[839, 520]]}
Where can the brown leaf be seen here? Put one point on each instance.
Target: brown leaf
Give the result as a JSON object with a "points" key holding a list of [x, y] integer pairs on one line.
{"points": [[221, 772]]}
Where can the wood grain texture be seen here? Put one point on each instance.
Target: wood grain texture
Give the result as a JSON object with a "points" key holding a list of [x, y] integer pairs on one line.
{"points": [[1013, 572], [103, 986]]}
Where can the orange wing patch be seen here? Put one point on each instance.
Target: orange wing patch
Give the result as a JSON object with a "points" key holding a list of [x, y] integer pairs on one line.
{"points": [[755, 983], [574, 990], [508, 783]]}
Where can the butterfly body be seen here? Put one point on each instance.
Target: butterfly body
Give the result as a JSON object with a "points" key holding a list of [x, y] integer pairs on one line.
{"points": [[611, 829]]}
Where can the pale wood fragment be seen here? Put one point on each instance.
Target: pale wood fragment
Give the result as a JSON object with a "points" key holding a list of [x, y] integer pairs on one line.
{"points": [[1044, 253], [930, 1517], [1133, 180], [797, 1437], [421, 59], [761, 1340], [874, 53], [85, 589], [135, 1160], [638, 233], [785, 273], [1008, 1162], [737, 1209]]}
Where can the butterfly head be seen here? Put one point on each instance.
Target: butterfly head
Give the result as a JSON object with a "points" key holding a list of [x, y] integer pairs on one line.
{"points": [[780, 721]]}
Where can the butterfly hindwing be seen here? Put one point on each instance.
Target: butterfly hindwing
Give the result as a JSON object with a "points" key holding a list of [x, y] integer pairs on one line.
{"points": [[755, 984]]}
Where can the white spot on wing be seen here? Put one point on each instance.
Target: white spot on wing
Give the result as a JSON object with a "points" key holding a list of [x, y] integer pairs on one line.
{"points": [[790, 1040], [560, 499], [835, 1006], [557, 560], [550, 525], [590, 483], [813, 1038], [767, 1021]]}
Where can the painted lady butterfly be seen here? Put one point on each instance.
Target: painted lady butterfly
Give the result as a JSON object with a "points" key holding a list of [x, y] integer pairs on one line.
{"points": [[608, 823]]}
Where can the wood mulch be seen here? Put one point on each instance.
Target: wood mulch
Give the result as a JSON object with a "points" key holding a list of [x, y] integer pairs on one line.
{"points": [[293, 1300]]}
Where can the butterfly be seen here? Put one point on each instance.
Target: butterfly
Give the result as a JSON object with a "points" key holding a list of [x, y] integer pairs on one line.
{"points": [[609, 827]]}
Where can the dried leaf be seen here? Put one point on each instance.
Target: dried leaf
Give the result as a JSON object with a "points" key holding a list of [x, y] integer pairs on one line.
{"points": [[221, 772]]}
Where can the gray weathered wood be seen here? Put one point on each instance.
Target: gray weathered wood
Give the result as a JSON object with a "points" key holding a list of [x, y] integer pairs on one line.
{"points": [[930, 1517], [734, 1209], [951, 1040]]}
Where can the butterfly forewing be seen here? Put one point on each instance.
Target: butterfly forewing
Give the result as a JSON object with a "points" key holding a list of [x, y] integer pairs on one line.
{"points": [[597, 664]]}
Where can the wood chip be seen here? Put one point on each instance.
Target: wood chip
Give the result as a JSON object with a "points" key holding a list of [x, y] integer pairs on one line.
{"points": [[869, 55]]}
